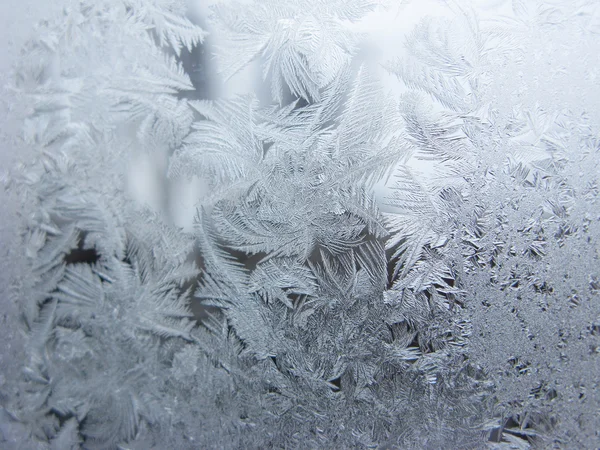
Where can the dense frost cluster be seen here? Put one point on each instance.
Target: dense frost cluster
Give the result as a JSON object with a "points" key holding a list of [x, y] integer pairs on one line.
{"points": [[391, 248]]}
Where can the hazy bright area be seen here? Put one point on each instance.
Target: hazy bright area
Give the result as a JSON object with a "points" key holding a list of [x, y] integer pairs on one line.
{"points": [[385, 31]]}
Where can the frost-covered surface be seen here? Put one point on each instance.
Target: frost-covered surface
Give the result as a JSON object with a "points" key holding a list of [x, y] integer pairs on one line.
{"points": [[18, 18], [394, 246]]}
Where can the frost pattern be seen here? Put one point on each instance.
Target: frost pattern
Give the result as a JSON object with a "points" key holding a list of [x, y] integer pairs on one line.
{"points": [[304, 311], [303, 44]]}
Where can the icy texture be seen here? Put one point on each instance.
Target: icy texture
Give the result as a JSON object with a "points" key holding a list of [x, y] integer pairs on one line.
{"points": [[296, 313]]}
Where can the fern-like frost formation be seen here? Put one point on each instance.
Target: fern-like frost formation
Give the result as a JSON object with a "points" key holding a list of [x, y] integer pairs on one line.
{"points": [[367, 268]]}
